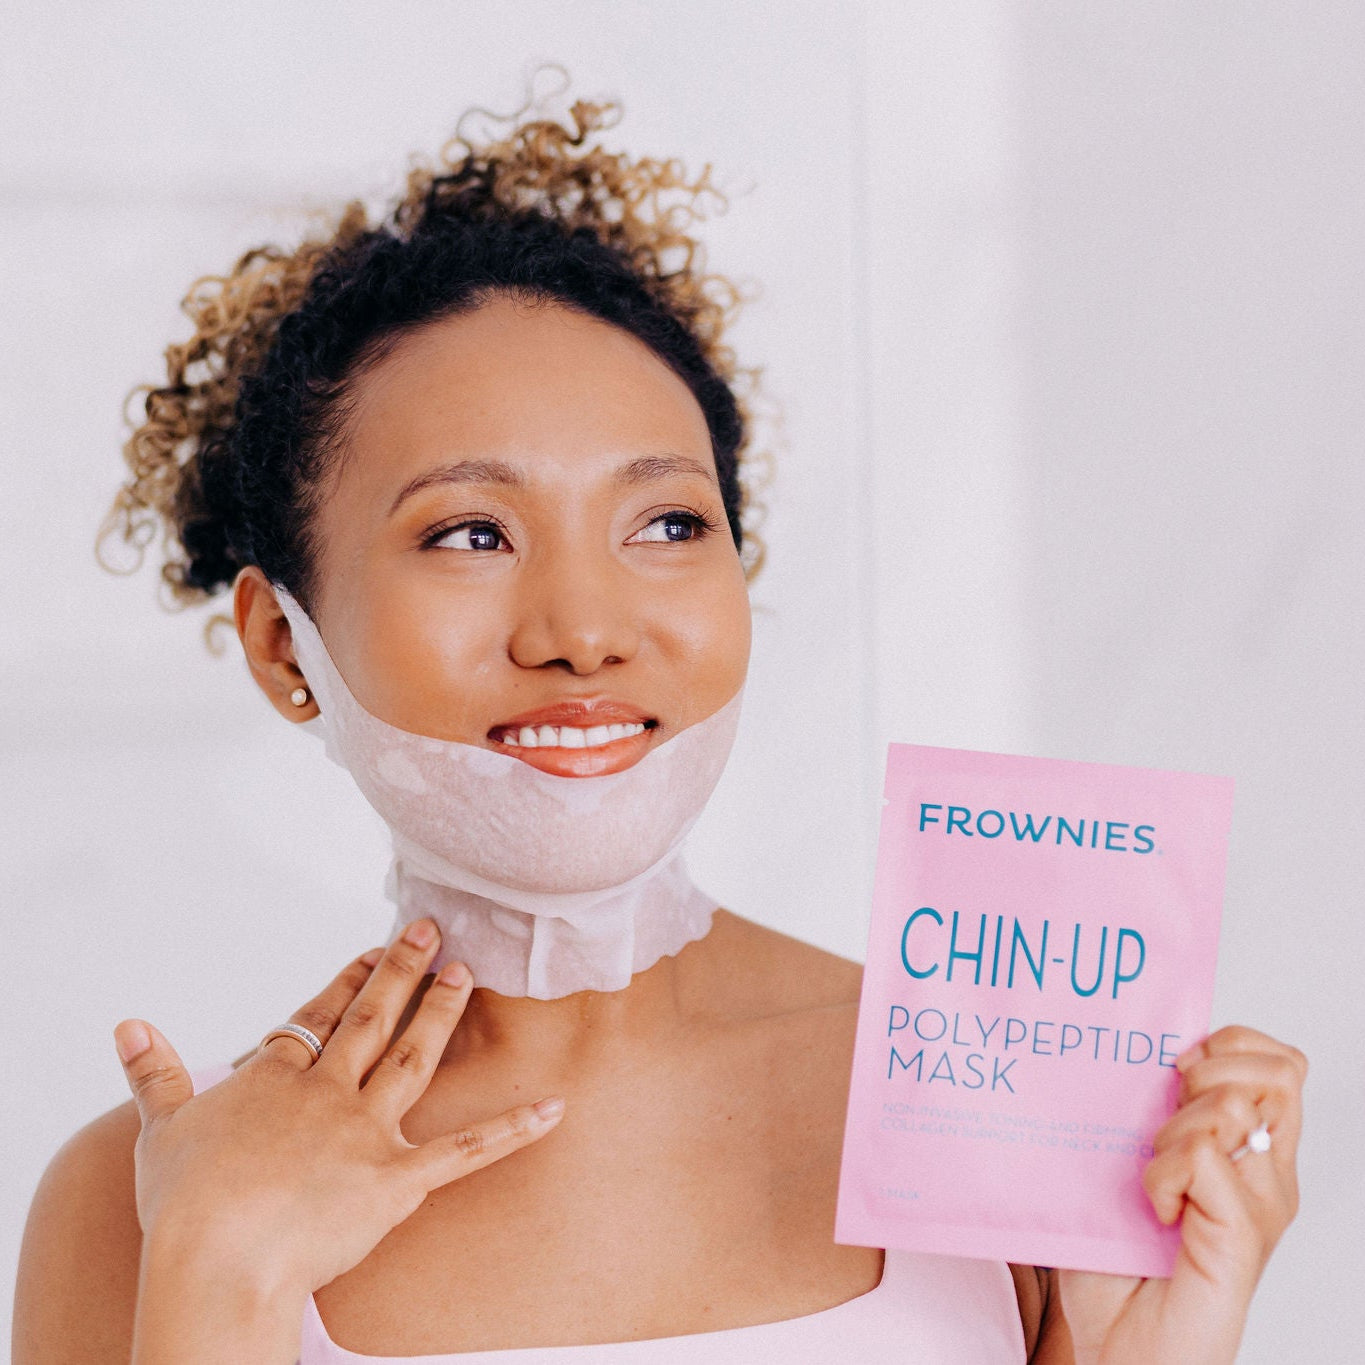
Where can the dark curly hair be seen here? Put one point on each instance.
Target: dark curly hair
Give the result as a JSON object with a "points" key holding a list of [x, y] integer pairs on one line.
{"points": [[231, 456]]}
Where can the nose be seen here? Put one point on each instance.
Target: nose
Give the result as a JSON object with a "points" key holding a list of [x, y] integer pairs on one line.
{"points": [[577, 616]]}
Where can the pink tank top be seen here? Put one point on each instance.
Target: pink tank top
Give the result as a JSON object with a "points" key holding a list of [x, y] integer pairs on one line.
{"points": [[939, 1310]]}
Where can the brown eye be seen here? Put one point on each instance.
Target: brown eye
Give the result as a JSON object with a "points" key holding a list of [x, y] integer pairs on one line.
{"points": [[672, 527], [471, 535]]}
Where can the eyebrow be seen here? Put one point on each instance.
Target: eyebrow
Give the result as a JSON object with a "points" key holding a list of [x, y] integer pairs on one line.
{"points": [[651, 467], [462, 471], [645, 469]]}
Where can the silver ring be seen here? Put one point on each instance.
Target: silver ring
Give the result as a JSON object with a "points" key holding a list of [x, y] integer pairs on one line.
{"points": [[1258, 1140], [307, 1037]]}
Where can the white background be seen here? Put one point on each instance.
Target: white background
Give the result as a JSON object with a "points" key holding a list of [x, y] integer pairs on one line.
{"points": [[1062, 306]]}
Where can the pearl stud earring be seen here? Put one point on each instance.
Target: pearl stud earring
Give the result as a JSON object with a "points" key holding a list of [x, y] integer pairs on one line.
{"points": [[299, 696]]}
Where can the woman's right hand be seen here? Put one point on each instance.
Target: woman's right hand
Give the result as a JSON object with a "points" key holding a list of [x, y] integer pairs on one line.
{"points": [[291, 1170]]}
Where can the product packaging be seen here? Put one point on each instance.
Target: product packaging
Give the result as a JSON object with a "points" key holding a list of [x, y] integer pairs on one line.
{"points": [[1042, 947]]}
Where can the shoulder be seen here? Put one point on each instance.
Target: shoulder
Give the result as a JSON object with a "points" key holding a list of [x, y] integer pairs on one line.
{"points": [[761, 972], [77, 1284], [789, 1010]]}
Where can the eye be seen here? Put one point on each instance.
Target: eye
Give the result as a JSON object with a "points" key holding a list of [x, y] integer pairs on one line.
{"points": [[469, 535], [672, 527]]}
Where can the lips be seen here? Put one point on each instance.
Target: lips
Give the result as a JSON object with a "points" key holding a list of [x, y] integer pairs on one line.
{"points": [[585, 737]]}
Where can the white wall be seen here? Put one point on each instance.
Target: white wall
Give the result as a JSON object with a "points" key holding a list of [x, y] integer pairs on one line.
{"points": [[1063, 307]]}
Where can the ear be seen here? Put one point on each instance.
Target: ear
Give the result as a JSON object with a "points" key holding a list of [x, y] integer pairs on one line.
{"points": [[268, 644]]}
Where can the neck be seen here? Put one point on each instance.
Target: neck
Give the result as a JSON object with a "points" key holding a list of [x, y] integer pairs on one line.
{"points": [[570, 1033], [571, 947]]}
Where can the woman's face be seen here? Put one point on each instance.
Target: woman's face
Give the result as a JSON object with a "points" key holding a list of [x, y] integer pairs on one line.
{"points": [[524, 546]]}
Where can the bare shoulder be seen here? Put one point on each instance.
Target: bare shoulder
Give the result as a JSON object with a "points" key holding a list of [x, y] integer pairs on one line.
{"points": [[777, 990], [755, 971], [76, 1291], [784, 1049]]}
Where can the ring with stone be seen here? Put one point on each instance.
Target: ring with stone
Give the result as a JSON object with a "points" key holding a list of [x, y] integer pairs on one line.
{"points": [[1258, 1140], [307, 1037]]}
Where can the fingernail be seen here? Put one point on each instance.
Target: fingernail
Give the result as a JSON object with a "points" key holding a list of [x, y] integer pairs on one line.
{"points": [[371, 959], [421, 933], [453, 974], [1188, 1057], [549, 1109], [131, 1039]]}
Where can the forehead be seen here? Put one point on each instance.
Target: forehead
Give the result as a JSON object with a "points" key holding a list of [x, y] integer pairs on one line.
{"points": [[535, 383]]}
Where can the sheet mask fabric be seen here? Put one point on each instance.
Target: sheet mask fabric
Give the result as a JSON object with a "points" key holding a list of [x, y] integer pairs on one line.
{"points": [[543, 885]]}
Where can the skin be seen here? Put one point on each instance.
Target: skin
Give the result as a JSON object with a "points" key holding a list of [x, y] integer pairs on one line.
{"points": [[689, 1177]]}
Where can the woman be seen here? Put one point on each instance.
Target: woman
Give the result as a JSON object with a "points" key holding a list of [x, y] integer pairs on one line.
{"points": [[473, 478]]}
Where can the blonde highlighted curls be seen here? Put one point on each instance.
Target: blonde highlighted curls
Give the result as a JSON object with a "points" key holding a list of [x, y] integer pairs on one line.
{"points": [[186, 456]]}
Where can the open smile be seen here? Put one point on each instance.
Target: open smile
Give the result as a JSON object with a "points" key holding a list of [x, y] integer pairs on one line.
{"points": [[568, 736], [579, 738]]}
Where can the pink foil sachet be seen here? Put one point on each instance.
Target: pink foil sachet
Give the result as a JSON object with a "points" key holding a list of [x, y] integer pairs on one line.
{"points": [[1043, 944]]}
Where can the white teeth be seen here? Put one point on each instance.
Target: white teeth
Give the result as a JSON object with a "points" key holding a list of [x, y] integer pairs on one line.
{"points": [[568, 736]]}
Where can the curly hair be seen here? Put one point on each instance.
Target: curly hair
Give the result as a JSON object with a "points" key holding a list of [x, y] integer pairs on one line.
{"points": [[230, 459]]}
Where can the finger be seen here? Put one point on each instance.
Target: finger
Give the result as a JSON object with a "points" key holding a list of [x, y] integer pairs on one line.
{"points": [[1170, 1176], [1222, 1222], [156, 1075], [1271, 1080], [1227, 1112], [366, 1025], [1239, 1038], [321, 1013], [1196, 1170], [468, 1149], [1230, 1110], [405, 1070], [1272, 1084]]}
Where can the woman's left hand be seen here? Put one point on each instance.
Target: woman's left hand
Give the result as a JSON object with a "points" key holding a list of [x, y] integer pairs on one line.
{"points": [[1231, 1212]]}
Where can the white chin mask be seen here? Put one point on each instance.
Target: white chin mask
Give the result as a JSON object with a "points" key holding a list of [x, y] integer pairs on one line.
{"points": [[543, 885]]}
